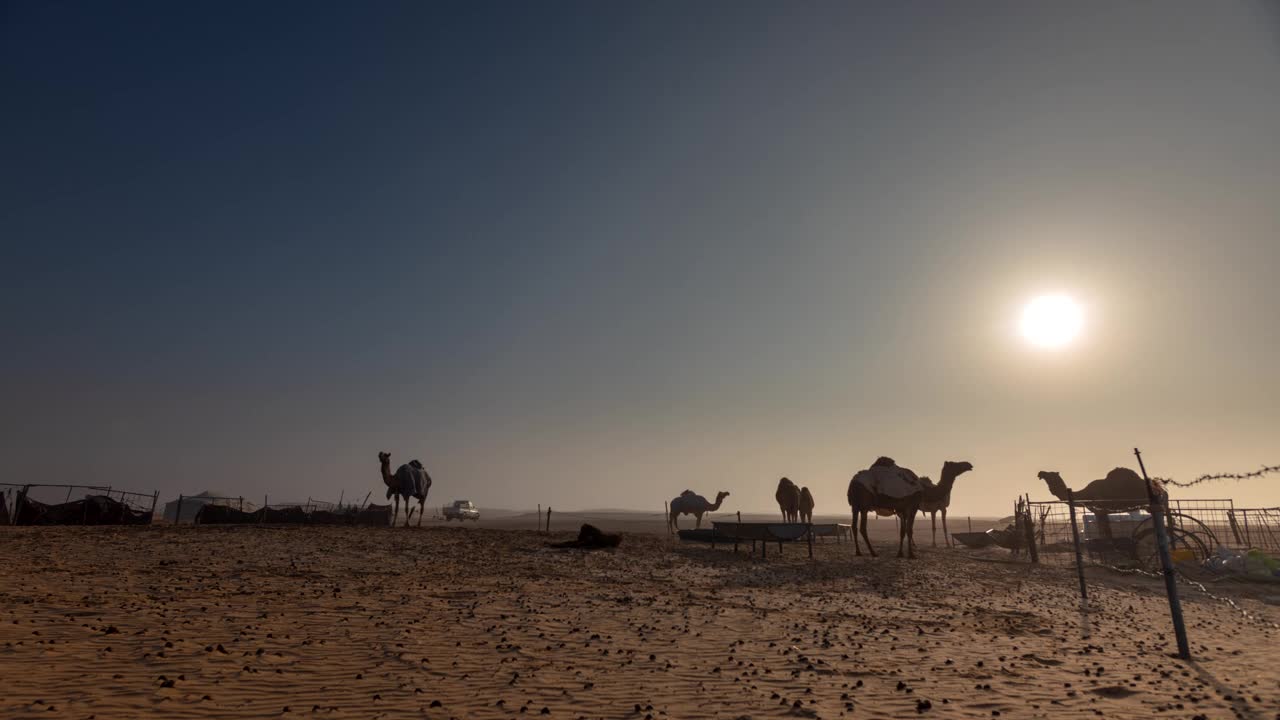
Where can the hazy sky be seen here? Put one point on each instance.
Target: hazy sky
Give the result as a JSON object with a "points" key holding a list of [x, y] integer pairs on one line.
{"points": [[591, 255]]}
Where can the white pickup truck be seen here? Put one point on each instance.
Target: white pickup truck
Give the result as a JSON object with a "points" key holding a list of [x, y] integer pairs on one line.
{"points": [[461, 510]]}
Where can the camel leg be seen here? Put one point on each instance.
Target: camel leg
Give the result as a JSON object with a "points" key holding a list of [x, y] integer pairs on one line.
{"points": [[1104, 523], [946, 535], [396, 512], [858, 551], [902, 531], [408, 512], [865, 536], [422, 509], [911, 536], [933, 522], [697, 520]]}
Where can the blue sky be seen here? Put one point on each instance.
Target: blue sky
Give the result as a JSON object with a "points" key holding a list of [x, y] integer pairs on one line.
{"points": [[590, 255]]}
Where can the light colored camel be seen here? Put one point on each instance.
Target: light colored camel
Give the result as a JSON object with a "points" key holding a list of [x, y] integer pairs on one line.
{"points": [[939, 503], [885, 486], [788, 497], [1120, 491], [806, 506], [691, 503], [409, 481]]}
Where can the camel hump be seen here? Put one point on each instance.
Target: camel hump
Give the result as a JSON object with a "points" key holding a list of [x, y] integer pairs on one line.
{"points": [[893, 482], [884, 461]]}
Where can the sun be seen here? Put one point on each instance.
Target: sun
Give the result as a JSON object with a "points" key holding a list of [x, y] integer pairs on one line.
{"points": [[1052, 321]]}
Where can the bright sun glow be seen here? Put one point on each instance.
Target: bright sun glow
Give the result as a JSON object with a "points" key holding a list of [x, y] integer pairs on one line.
{"points": [[1052, 321]]}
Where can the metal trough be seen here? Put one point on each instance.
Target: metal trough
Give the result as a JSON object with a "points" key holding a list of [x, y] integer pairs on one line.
{"points": [[764, 533]]}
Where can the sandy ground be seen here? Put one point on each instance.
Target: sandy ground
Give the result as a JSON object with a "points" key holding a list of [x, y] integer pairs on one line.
{"points": [[467, 622]]}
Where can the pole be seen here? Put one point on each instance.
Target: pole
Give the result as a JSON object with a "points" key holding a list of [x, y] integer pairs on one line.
{"points": [[539, 517], [263, 516], [1075, 539], [970, 523], [548, 518], [1166, 562]]}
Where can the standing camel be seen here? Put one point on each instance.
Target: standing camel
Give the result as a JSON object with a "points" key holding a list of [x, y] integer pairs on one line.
{"points": [[788, 497], [1120, 491], [938, 503], [409, 481], [691, 503], [806, 506], [885, 486]]}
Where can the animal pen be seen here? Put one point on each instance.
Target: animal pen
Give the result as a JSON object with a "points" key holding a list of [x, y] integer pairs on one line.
{"points": [[239, 511], [1200, 533], [51, 504], [1197, 529]]}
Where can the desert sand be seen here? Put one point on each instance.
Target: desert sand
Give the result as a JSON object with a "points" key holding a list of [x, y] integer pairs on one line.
{"points": [[472, 622]]}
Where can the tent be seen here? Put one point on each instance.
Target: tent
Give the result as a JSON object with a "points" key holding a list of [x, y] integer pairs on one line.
{"points": [[191, 505]]}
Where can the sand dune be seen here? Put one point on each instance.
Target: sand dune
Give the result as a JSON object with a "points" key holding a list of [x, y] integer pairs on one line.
{"points": [[475, 623]]}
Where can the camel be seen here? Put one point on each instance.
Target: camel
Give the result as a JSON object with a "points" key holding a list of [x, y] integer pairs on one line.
{"points": [[1120, 491], [885, 486], [788, 497], [806, 506], [938, 503], [691, 503], [591, 537], [409, 481]]}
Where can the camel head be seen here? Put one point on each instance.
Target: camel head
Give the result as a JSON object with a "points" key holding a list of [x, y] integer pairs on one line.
{"points": [[384, 458], [1055, 483], [720, 496], [956, 468]]}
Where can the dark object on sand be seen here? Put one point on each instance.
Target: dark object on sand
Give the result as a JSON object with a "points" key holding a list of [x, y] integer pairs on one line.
{"points": [[591, 538], [91, 510], [210, 514]]}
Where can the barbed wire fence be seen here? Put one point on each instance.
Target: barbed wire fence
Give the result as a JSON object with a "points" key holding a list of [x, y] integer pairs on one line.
{"points": [[1202, 534], [1264, 470]]}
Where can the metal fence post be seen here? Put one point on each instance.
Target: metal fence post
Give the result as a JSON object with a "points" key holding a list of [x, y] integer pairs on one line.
{"points": [[1158, 510], [1075, 539]]}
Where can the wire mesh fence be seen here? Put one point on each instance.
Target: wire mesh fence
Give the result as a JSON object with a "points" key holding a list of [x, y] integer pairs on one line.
{"points": [[58, 504], [212, 510]]}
